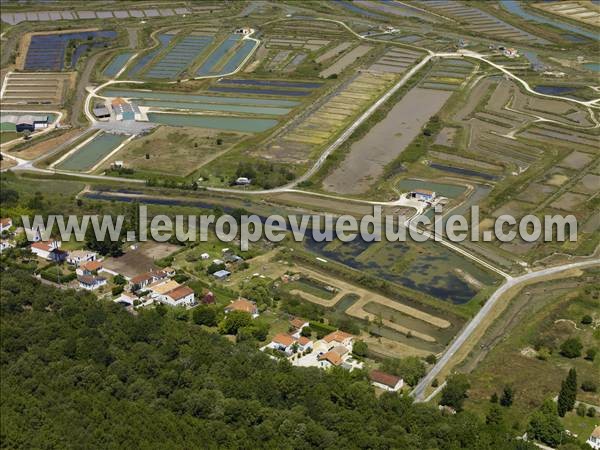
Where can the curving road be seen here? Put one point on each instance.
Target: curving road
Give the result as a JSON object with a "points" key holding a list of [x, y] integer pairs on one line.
{"points": [[460, 339]]}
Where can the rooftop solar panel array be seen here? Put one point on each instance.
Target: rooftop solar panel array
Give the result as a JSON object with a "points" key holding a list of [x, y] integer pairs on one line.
{"points": [[179, 57], [47, 51]]}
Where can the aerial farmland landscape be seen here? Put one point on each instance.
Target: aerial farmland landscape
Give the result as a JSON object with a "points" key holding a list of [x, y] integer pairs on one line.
{"points": [[285, 224]]}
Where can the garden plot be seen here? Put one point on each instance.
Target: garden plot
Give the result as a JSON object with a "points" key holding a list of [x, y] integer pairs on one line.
{"points": [[179, 57], [396, 61], [346, 60], [39, 88], [368, 157], [570, 202], [298, 142], [478, 21], [447, 75]]}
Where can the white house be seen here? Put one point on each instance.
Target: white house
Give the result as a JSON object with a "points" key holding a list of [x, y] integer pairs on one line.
{"points": [[5, 223], [172, 293], [77, 257], [46, 249], [204, 256], [91, 282], [287, 343], [88, 268], [385, 381], [5, 244], [34, 234], [594, 439]]}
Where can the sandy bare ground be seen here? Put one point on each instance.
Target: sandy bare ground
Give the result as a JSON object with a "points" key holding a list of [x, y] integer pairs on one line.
{"points": [[346, 60], [385, 141], [356, 310], [391, 349], [37, 150], [140, 260]]}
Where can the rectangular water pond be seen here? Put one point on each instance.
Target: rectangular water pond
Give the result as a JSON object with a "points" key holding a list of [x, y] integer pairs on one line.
{"points": [[246, 109], [208, 67], [91, 153], [237, 90], [241, 124], [447, 190], [117, 64], [184, 99], [276, 83]]}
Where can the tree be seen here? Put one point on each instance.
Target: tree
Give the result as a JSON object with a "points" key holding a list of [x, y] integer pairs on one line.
{"points": [[589, 386], [360, 348], [591, 412], [205, 315], [306, 331], [411, 368], [590, 354], [455, 391], [546, 428], [431, 359], [234, 321], [507, 396], [119, 280], [215, 268], [571, 348], [494, 398], [106, 246], [494, 415], [567, 394]]}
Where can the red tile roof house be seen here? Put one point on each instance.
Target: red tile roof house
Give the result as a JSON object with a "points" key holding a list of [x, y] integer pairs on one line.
{"points": [[287, 343], [5, 223], [91, 282], [242, 304], [385, 381], [141, 281], [297, 324], [49, 250], [88, 268], [180, 296]]}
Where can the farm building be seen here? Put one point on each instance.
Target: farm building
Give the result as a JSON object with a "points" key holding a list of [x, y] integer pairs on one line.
{"points": [[385, 381], [423, 194], [24, 122], [124, 110], [221, 274], [101, 111]]}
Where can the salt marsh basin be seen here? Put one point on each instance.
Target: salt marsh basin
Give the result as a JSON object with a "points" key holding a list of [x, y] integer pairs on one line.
{"points": [[91, 153], [241, 124]]}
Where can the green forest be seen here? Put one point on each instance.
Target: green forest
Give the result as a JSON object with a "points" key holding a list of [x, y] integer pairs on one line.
{"points": [[80, 373]]}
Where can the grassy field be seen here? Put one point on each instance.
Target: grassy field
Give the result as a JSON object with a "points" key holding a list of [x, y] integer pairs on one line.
{"points": [[525, 348], [175, 151]]}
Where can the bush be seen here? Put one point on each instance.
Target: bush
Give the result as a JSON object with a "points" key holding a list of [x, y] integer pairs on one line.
{"points": [[205, 315], [587, 319], [589, 386], [591, 412], [431, 359], [571, 348], [360, 348], [117, 290], [590, 354], [581, 410]]}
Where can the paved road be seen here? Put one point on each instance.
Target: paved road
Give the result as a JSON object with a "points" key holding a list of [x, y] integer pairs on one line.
{"points": [[419, 390]]}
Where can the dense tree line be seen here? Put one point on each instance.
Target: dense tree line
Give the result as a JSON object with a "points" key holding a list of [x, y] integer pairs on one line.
{"points": [[78, 372]]}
